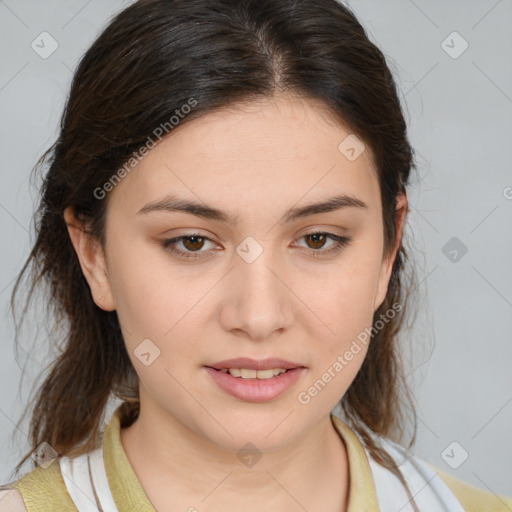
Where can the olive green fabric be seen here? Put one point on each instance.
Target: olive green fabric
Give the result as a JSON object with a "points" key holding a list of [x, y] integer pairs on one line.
{"points": [[44, 490]]}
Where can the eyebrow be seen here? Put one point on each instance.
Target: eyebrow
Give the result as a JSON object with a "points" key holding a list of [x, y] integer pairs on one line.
{"points": [[175, 204]]}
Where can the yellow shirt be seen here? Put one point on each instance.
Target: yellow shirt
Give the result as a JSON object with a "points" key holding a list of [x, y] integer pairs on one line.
{"points": [[44, 490]]}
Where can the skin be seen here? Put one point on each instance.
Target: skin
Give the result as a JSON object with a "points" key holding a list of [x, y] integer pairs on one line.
{"points": [[254, 160]]}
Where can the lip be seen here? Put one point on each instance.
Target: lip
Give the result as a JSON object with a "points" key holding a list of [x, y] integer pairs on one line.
{"points": [[255, 390], [252, 364]]}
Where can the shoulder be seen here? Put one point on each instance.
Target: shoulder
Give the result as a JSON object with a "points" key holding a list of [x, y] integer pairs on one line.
{"points": [[41, 489], [472, 498], [11, 501], [430, 485]]}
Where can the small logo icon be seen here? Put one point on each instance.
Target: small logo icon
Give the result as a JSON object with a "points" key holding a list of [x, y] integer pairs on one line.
{"points": [[454, 455], [454, 45], [44, 45], [454, 249], [146, 352], [249, 455], [44, 455], [249, 249], [351, 147]]}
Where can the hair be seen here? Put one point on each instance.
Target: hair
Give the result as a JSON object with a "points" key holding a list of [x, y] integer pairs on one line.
{"points": [[145, 66]]}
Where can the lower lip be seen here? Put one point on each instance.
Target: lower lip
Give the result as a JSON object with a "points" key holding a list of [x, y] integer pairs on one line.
{"points": [[255, 390]]}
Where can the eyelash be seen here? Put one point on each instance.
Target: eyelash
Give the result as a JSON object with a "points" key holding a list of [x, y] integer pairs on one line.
{"points": [[339, 243]]}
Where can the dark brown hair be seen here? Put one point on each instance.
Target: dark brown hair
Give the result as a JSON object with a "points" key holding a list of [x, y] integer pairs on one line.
{"points": [[151, 59]]}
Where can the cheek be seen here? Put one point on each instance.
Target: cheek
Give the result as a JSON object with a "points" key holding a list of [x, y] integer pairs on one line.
{"points": [[341, 337], [341, 305], [155, 309], [342, 295], [159, 302], [147, 295]]}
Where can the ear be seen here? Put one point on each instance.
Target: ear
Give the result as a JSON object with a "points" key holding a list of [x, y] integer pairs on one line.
{"points": [[387, 262], [92, 261]]}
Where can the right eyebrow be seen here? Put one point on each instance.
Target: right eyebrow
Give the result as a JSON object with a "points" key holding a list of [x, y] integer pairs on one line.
{"points": [[329, 205]]}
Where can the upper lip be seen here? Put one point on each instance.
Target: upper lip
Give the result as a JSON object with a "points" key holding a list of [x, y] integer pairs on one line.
{"points": [[252, 364]]}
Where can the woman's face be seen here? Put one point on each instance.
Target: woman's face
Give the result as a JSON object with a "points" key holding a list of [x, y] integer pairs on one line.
{"points": [[251, 282]]}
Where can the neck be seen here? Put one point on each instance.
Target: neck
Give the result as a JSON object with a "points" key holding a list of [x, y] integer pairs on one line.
{"points": [[309, 473]]}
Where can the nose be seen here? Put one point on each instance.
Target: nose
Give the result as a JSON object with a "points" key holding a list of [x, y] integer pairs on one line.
{"points": [[259, 301]]}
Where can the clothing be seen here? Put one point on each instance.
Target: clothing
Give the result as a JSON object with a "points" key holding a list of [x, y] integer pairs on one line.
{"points": [[66, 484]]}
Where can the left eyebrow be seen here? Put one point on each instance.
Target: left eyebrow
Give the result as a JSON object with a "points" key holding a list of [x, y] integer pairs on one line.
{"points": [[175, 204]]}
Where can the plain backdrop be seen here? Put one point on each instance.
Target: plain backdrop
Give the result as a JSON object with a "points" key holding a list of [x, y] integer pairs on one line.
{"points": [[451, 60]]}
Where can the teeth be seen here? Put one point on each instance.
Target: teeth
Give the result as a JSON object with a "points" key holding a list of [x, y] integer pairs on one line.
{"points": [[254, 374]]}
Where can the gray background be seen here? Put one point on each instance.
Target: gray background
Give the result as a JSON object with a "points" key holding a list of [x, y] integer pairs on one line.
{"points": [[460, 123]]}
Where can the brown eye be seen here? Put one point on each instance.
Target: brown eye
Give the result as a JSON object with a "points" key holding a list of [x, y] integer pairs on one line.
{"points": [[193, 243], [318, 240]]}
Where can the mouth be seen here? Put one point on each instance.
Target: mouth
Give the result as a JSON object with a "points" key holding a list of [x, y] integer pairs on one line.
{"points": [[255, 381], [247, 373], [246, 363]]}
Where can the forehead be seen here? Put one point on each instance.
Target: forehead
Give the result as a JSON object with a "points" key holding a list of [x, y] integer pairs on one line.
{"points": [[263, 154]]}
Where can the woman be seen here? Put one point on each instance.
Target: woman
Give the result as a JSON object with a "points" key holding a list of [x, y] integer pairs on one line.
{"points": [[221, 230]]}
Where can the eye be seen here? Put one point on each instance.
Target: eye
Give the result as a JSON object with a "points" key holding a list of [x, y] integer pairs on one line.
{"points": [[194, 242], [318, 239]]}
